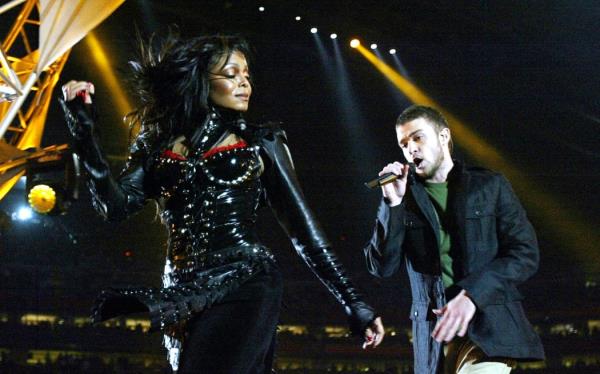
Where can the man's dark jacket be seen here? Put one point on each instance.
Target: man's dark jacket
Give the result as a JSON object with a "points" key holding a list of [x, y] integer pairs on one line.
{"points": [[494, 248]]}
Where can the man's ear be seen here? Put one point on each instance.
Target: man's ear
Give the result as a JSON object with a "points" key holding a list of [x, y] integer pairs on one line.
{"points": [[444, 136]]}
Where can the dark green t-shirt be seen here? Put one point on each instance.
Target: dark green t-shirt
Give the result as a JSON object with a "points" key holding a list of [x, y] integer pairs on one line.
{"points": [[438, 192]]}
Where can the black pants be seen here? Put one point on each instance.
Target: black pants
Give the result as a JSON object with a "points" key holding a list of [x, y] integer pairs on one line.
{"points": [[237, 335]]}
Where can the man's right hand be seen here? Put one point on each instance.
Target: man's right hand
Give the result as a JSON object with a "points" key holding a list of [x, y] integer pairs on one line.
{"points": [[394, 192]]}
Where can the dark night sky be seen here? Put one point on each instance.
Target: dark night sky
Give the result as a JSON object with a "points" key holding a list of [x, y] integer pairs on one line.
{"points": [[521, 74]]}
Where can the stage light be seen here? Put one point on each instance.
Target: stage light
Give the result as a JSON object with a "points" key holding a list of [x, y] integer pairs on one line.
{"points": [[314, 30], [333, 36], [261, 8], [52, 183], [392, 51], [354, 43], [373, 46], [42, 198], [24, 213], [298, 18]]}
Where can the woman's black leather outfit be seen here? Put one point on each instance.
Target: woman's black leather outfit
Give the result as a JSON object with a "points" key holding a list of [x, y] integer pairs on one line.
{"points": [[209, 205]]}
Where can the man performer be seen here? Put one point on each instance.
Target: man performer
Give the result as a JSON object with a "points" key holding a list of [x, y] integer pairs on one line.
{"points": [[467, 245]]}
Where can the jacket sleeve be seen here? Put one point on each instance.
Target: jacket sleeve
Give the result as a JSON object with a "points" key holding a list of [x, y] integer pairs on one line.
{"points": [[518, 254], [113, 199], [287, 201], [384, 251]]}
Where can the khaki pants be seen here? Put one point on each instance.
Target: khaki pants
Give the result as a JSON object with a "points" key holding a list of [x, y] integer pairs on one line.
{"points": [[461, 356]]}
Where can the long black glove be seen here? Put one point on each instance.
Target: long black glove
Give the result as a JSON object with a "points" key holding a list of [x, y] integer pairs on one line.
{"points": [[289, 205], [113, 199]]}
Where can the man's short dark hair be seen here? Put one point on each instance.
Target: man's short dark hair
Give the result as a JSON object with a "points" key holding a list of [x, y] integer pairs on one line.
{"points": [[433, 116]]}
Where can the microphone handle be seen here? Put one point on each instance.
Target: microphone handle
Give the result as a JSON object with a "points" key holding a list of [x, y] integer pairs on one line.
{"points": [[390, 177], [381, 180]]}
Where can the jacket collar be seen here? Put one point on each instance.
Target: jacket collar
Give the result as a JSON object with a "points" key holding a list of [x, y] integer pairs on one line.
{"points": [[458, 185]]}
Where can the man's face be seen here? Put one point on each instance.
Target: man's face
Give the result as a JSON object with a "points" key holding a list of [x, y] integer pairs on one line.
{"points": [[422, 146]]}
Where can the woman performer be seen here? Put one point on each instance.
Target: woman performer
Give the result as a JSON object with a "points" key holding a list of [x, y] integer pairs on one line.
{"points": [[209, 171]]}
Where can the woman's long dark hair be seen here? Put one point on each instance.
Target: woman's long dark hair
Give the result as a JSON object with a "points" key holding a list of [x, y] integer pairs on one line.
{"points": [[171, 81]]}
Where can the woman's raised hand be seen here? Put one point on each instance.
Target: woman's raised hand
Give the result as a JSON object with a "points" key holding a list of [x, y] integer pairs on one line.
{"points": [[73, 88], [79, 114]]}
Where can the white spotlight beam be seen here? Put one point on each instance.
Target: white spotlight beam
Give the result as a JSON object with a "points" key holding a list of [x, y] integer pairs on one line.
{"points": [[11, 4]]}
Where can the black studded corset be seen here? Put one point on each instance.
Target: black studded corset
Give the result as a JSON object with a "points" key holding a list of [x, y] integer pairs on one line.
{"points": [[208, 204]]}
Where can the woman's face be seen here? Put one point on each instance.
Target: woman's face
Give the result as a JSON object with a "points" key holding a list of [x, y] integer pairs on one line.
{"points": [[230, 82]]}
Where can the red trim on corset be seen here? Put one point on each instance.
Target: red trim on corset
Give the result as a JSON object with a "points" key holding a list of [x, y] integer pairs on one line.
{"points": [[172, 155], [212, 151]]}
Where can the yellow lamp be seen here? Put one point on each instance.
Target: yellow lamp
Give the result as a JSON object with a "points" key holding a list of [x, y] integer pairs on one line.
{"points": [[42, 198]]}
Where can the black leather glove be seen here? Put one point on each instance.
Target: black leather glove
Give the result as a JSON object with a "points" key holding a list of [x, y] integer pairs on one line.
{"points": [[326, 266], [113, 199], [285, 196], [81, 121], [80, 117]]}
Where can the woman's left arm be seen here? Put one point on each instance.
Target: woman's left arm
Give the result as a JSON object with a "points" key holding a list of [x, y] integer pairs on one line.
{"points": [[289, 205]]}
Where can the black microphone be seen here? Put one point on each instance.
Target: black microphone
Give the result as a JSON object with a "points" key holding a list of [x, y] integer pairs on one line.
{"points": [[381, 180], [389, 178]]}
